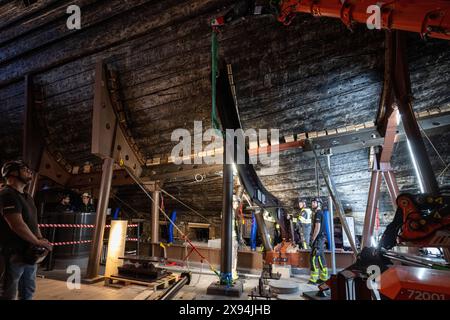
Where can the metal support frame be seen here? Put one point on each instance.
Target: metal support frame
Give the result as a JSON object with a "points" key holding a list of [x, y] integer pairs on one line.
{"points": [[34, 149], [381, 168], [33, 186], [402, 89], [53, 170], [102, 207], [341, 143], [428, 18], [372, 205], [335, 198], [226, 261], [155, 221], [109, 143], [387, 124], [263, 232], [391, 184], [397, 92], [108, 138], [331, 222]]}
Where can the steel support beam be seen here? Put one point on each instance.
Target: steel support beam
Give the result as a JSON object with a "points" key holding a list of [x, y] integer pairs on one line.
{"points": [[402, 89], [33, 186], [433, 124], [100, 221], [108, 137], [53, 170], [331, 221], [227, 223], [335, 197], [109, 143], [392, 186], [387, 124], [34, 149], [167, 172], [262, 229], [155, 221], [372, 206]]}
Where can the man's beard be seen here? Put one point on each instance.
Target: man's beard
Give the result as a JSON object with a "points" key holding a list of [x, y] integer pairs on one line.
{"points": [[25, 180]]}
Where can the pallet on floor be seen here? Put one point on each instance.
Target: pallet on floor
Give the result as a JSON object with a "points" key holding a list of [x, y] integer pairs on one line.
{"points": [[162, 283], [149, 295]]}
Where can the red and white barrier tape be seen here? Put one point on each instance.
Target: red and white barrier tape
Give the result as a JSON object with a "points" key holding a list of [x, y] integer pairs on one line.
{"points": [[50, 225], [68, 243], [129, 226], [45, 225]]}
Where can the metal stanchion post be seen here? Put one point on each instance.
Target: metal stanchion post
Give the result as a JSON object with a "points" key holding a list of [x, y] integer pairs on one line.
{"points": [[331, 222], [138, 237], [50, 256]]}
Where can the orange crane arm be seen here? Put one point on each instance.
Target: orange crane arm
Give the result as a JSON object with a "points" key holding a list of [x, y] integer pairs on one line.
{"points": [[427, 17]]}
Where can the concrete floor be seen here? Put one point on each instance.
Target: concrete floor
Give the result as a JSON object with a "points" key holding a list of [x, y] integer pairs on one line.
{"points": [[52, 286]]}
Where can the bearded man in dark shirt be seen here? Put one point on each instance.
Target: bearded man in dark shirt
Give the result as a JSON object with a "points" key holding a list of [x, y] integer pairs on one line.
{"points": [[19, 232]]}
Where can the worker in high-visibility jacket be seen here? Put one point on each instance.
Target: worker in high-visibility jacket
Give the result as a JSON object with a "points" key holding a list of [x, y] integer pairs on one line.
{"points": [[319, 270], [304, 223]]}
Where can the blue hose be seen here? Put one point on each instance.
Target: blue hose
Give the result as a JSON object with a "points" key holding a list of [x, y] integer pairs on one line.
{"points": [[173, 217], [253, 233], [116, 214]]}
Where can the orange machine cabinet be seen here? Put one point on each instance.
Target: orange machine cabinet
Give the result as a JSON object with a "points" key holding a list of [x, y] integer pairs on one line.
{"points": [[414, 283]]}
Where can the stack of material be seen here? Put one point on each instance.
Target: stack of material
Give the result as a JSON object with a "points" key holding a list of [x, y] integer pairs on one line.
{"points": [[141, 268]]}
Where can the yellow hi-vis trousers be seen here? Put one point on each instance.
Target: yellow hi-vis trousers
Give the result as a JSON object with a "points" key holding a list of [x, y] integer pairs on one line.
{"points": [[317, 261]]}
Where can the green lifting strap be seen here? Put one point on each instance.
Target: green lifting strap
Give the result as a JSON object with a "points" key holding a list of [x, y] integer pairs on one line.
{"points": [[214, 72]]}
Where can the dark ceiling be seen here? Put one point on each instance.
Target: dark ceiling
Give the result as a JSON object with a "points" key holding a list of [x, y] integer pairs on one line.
{"points": [[313, 75]]}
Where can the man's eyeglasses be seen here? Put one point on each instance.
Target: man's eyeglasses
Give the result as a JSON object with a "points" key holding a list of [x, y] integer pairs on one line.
{"points": [[26, 169]]}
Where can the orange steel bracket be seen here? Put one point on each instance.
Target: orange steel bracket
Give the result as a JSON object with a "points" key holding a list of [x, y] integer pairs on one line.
{"points": [[427, 17]]}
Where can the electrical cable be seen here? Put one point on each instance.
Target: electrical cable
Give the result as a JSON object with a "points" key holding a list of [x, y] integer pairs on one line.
{"points": [[185, 205], [432, 145], [443, 171], [125, 204], [447, 165]]}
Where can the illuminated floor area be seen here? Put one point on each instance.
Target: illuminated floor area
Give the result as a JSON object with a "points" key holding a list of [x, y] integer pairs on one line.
{"points": [[48, 289], [52, 289]]}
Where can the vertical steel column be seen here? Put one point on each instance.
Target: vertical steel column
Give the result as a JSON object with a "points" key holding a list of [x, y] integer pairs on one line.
{"points": [[32, 188], [102, 207], [331, 223], [139, 238], [317, 179], [372, 205], [402, 87], [155, 221], [332, 190], [227, 220], [263, 232]]}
